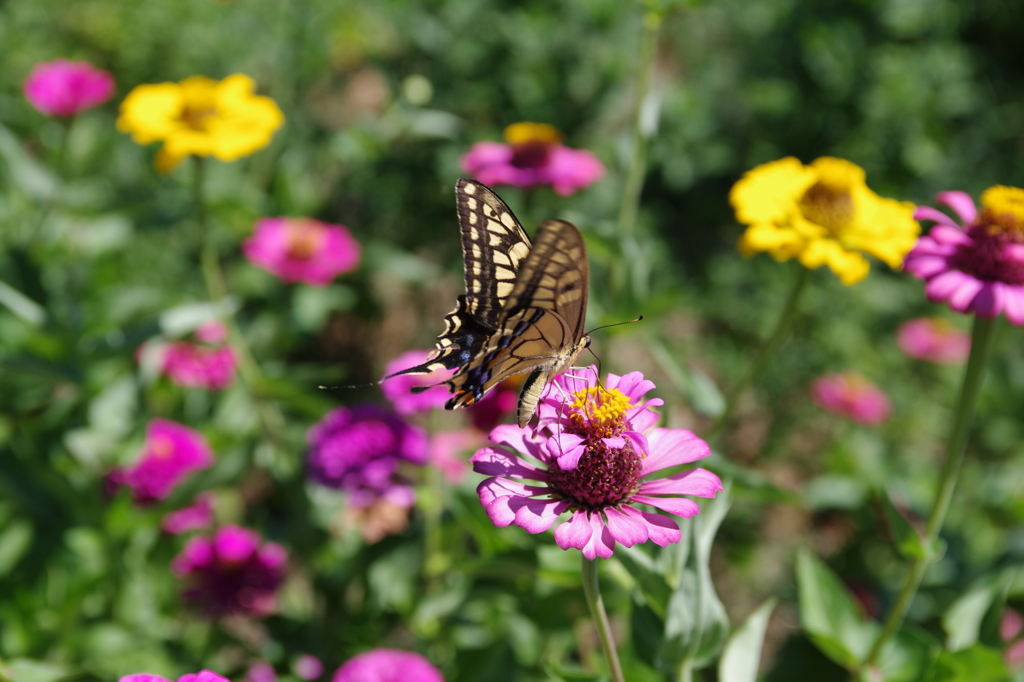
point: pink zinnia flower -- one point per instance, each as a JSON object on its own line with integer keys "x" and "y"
{"x": 201, "y": 676}
{"x": 309, "y": 667}
{"x": 231, "y": 572}
{"x": 387, "y": 665}
{"x": 532, "y": 155}
{"x": 172, "y": 452}
{"x": 359, "y": 450}
{"x": 66, "y": 88}
{"x": 978, "y": 266}
{"x": 934, "y": 339}
{"x": 302, "y": 249}
{"x": 196, "y": 517}
{"x": 192, "y": 365}
{"x": 851, "y": 395}
{"x": 596, "y": 445}
{"x": 398, "y": 389}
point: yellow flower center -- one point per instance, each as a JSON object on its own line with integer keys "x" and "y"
{"x": 197, "y": 117}
{"x": 305, "y": 239}
{"x": 600, "y": 412}
{"x": 161, "y": 447}
{"x": 1004, "y": 211}
{"x": 526, "y": 131}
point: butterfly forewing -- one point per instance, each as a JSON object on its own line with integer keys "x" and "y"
{"x": 493, "y": 244}
{"x": 524, "y": 306}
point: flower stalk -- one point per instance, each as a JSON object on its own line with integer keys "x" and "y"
{"x": 637, "y": 167}
{"x": 781, "y": 329}
{"x": 981, "y": 347}
{"x": 592, "y": 592}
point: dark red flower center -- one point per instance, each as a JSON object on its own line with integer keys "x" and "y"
{"x": 603, "y": 478}
{"x": 984, "y": 258}
{"x": 531, "y": 154}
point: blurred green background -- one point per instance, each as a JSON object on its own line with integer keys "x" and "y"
{"x": 381, "y": 98}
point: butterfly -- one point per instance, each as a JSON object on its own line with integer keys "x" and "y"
{"x": 524, "y": 306}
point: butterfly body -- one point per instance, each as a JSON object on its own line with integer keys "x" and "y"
{"x": 524, "y": 306}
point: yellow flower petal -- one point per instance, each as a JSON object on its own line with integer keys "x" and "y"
{"x": 849, "y": 266}
{"x": 151, "y": 112}
{"x": 770, "y": 191}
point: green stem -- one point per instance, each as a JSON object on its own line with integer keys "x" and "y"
{"x": 635, "y": 171}
{"x": 781, "y": 328}
{"x": 701, "y": 564}
{"x": 593, "y": 594}
{"x": 981, "y": 347}
{"x": 217, "y": 290}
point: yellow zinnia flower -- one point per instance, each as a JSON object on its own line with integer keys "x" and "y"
{"x": 823, "y": 214}
{"x": 200, "y": 116}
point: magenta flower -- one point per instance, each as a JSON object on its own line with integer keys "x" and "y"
{"x": 398, "y": 389}
{"x": 387, "y": 665}
{"x": 494, "y": 407}
{"x": 192, "y": 365}
{"x": 978, "y": 266}
{"x": 595, "y": 453}
{"x": 532, "y": 155}
{"x": 172, "y": 452}
{"x": 196, "y": 517}
{"x": 309, "y": 667}
{"x": 65, "y": 88}
{"x": 359, "y": 450}
{"x": 231, "y": 573}
{"x": 934, "y": 339}
{"x": 851, "y": 395}
{"x": 201, "y": 676}
{"x": 302, "y": 249}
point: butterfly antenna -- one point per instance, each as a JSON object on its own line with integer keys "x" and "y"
{"x": 617, "y": 324}
{"x": 334, "y": 388}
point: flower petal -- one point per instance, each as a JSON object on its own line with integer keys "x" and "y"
{"x": 500, "y": 462}
{"x": 626, "y": 529}
{"x": 574, "y": 533}
{"x": 949, "y": 236}
{"x": 520, "y": 440}
{"x": 990, "y": 301}
{"x": 640, "y": 443}
{"x": 699, "y": 482}
{"x": 669, "y": 447}
{"x": 680, "y": 506}
{"x": 633, "y": 385}
{"x": 661, "y": 530}
{"x": 536, "y": 516}
{"x": 933, "y": 214}
{"x": 926, "y": 267}
{"x": 1015, "y": 304}
{"x": 567, "y": 448}
{"x": 601, "y": 543}
{"x": 961, "y": 203}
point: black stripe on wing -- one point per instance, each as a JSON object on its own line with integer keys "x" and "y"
{"x": 493, "y": 245}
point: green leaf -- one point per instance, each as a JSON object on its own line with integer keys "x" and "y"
{"x": 697, "y": 388}
{"x": 15, "y": 540}
{"x": 829, "y": 615}
{"x": 649, "y": 579}
{"x": 908, "y": 541}
{"x": 962, "y": 620}
{"x": 26, "y": 670}
{"x": 742, "y": 653}
{"x": 974, "y": 664}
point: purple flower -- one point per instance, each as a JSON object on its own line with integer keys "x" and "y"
{"x": 596, "y": 444}
{"x": 196, "y": 517}
{"x": 387, "y": 665}
{"x": 261, "y": 671}
{"x": 231, "y": 573}
{"x": 397, "y": 390}
{"x": 66, "y": 88}
{"x": 359, "y": 450}
{"x": 533, "y": 155}
{"x": 302, "y": 249}
{"x": 171, "y": 453}
{"x": 201, "y": 676}
{"x": 978, "y": 266}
